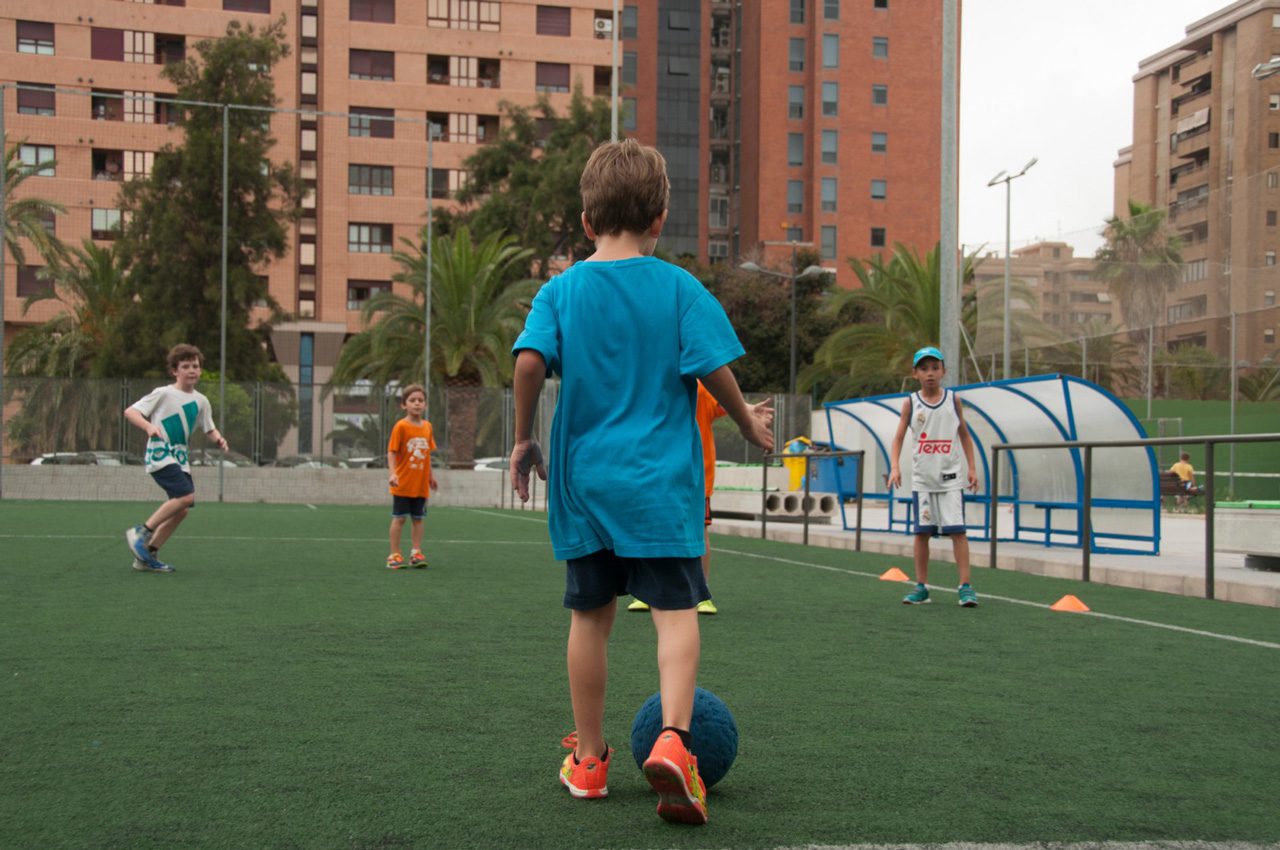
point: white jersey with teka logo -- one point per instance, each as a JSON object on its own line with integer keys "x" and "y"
{"x": 937, "y": 459}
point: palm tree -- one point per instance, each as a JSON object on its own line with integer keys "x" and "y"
{"x": 479, "y": 297}
{"x": 25, "y": 217}
{"x": 1140, "y": 262}
{"x": 59, "y": 412}
{"x": 1108, "y": 354}
{"x": 903, "y": 297}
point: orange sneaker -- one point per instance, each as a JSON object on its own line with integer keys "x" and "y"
{"x": 673, "y": 772}
{"x": 395, "y": 562}
{"x": 587, "y": 779}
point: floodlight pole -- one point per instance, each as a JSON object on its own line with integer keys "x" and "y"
{"x": 791, "y": 382}
{"x": 222, "y": 331}
{"x": 613, "y": 76}
{"x": 1007, "y": 180}
{"x": 426, "y": 318}
{"x": 949, "y": 230}
{"x": 3, "y": 200}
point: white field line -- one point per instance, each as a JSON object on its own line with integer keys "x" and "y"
{"x": 508, "y": 516}
{"x": 1054, "y": 845}
{"x": 276, "y": 539}
{"x": 1099, "y": 615}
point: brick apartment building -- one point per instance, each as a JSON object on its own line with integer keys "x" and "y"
{"x": 1206, "y": 148}
{"x": 807, "y": 120}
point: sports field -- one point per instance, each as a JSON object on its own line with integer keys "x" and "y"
{"x": 283, "y": 690}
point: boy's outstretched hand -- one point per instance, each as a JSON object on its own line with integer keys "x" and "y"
{"x": 526, "y": 455}
{"x": 760, "y": 430}
{"x": 763, "y": 412}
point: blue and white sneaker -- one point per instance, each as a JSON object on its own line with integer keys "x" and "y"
{"x": 138, "y": 537}
{"x": 918, "y": 596}
{"x": 151, "y": 565}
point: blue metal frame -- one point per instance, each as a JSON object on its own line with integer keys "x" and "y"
{"x": 1068, "y": 430}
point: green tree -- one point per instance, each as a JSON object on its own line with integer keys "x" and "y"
{"x": 478, "y": 305}
{"x": 525, "y": 183}
{"x": 1193, "y": 372}
{"x": 1260, "y": 384}
{"x": 24, "y": 218}
{"x": 274, "y": 407}
{"x": 173, "y": 237}
{"x": 1106, "y": 355}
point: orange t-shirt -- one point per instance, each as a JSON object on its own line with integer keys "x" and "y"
{"x": 412, "y": 445}
{"x": 708, "y": 411}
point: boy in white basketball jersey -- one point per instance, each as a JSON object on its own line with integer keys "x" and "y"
{"x": 939, "y": 473}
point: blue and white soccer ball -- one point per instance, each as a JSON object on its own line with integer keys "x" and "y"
{"x": 714, "y": 731}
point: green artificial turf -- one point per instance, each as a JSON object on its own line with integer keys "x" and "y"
{"x": 283, "y": 690}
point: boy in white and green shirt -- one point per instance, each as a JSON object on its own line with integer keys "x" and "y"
{"x": 169, "y": 415}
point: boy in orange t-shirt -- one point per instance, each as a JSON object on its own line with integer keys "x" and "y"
{"x": 411, "y": 482}
{"x": 707, "y": 412}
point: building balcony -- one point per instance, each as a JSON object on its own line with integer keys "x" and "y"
{"x": 1189, "y": 102}
{"x": 1190, "y": 212}
{"x": 1193, "y": 143}
{"x": 1188, "y": 72}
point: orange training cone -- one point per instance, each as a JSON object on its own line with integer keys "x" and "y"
{"x": 1069, "y": 603}
{"x": 894, "y": 574}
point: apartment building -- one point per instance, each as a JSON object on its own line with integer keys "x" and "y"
{"x": 364, "y": 84}
{"x": 1068, "y": 297}
{"x": 1206, "y": 148}
{"x": 809, "y": 121}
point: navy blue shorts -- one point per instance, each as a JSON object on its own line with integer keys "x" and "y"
{"x": 414, "y": 507}
{"x": 174, "y": 480}
{"x": 668, "y": 584}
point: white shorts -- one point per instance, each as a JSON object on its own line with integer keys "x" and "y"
{"x": 940, "y": 512}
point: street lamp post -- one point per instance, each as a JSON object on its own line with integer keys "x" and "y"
{"x": 793, "y": 278}
{"x": 1006, "y": 178}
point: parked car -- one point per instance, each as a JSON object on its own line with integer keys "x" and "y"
{"x": 217, "y": 457}
{"x": 499, "y": 463}
{"x": 98, "y": 458}
{"x": 309, "y": 462}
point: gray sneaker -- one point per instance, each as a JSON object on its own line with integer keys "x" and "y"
{"x": 919, "y": 596}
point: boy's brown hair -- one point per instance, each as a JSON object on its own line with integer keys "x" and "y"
{"x": 180, "y": 353}
{"x": 409, "y": 390}
{"x": 624, "y": 187}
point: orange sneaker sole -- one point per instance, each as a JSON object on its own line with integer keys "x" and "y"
{"x": 676, "y": 803}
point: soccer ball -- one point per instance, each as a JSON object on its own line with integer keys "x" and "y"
{"x": 715, "y": 734}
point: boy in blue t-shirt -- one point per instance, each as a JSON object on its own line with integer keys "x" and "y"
{"x": 629, "y": 336}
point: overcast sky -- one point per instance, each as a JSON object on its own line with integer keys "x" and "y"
{"x": 1053, "y": 80}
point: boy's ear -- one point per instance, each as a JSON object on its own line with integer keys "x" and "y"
{"x": 655, "y": 229}
{"x": 587, "y": 228}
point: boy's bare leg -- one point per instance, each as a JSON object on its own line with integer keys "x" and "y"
{"x": 588, "y": 662}
{"x": 921, "y": 551}
{"x": 397, "y": 523}
{"x": 706, "y": 557}
{"x": 415, "y": 534}
{"x": 960, "y": 545}
{"x": 679, "y": 650}
{"x": 166, "y": 518}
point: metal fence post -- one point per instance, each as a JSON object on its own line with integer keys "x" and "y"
{"x": 993, "y": 508}
{"x": 1208, "y": 518}
{"x": 1086, "y": 511}
{"x": 764, "y": 497}
{"x": 804, "y": 503}
{"x": 857, "y": 534}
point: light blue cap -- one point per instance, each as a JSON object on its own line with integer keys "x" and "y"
{"x": 927, "y": 351}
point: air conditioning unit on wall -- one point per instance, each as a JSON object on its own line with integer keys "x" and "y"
{"x": 604, "y": 27}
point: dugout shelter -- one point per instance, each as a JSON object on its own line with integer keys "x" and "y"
{"x": 1042, "y": 490}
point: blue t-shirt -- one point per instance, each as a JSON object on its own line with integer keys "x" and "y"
{"x": 629, "y": 339}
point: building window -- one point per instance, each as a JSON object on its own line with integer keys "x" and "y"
{"x": 552, "y": 77}
{"x": 795, "y": 234}
{"x": 796, "y": 54}
{"x": 679, "y": 66}
{"x": 880, "y": 47}
{"x": 797, "y": 11}
{"x": 830, "y": 99}
{"x": 830, "y": 51}
{"x": 1269, "y": 298}
{"x": 483, "y": 15}
{"x": 629, "y": 113}
{"x": 1273, "y": 180}
{"x": 364, "y": 121}
{"x": 880, "y": 4}
{"x": 831, "y": 10}
{"x": 30, "y": 283}
{"x": 877, "y": 237}
{"x": 106, "y": 224}
{"x": 795, "y": 196}
{"x": 370, "y": 180}
{"x": 1273, "y": 102}
{"x": 263, "y": 6}
{"x": 35, "y": 99}
{"x": 369, "y": 238}
{"x": 717, "y": 251}
{"x": 1269, "y": 258}
{"x": 107, "y": 44}
{"x": 309, "y": 84}
{"x": 37, "y": 159}
{"x": 795, "y": 101}
{"x": 1271, "y": 218}
{"x": 1269, "y": 335}
{"x": 830, "y": 142}
{"x": 718, "y": 216}
{"x": 828, "y": 194}
{"x": 878, "y": 189}
{"x": 629, "y": 22}
{"x": 828, "y": 241}
{"x": 372, "y": 65}
{"x": 879, "y": 142}
{"x": 360, "y": 291}
{"x": 138, "y": 164}
{"x": 677, "y": 20}
{"x": 377, "y": 11}
{"x": 879, "y": 95}
{"x": 35, "y": 37}
{"x": 1273, "y": 140}
{"x": 795, "y": 148}
{"x": 628, "y": 68}
{"x": 553, "y": 20}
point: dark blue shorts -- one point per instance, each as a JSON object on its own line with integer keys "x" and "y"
{"x": 668, "y": 584}
{"x": 414, "y": 507}
{"x": 174, "y": 480}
